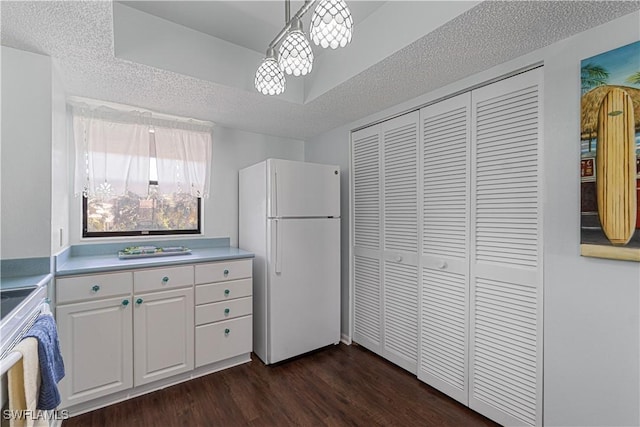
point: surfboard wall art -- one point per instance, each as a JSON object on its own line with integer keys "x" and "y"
{"x": 610, "y": 154}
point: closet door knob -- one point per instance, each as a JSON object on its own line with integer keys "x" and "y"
{"x": 95, "y": 288}
{"x": 442, "y": 265}
{"x": 125, "y": 302}
{"x": 139, "y": 301}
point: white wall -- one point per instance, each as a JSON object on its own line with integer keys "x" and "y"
{"x": 591, "y": 306}
{"x": 26, "y": 155}
{"x": 232, "y": 150}
{"x": 331, "y": 148}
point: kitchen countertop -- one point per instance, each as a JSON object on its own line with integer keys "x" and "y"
{"x": 25, "y": 281}
{"x": 93, "y": 259}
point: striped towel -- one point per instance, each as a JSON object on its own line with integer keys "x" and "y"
{"x": 51, "y": 364}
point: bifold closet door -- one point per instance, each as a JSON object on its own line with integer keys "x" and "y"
{"x": 505, "y": 360}
{"x": 400, "y": 240}
{"x": 385, "y": 239}
{"x": 444, "y": 319}
{"x": 366, "y": 238}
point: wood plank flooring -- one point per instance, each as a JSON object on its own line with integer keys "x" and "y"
{"x": 337, "y": 386}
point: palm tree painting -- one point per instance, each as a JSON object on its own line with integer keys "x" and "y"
{"x": 610, "y": 154}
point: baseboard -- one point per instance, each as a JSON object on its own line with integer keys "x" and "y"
{"x": 345, "y": 339}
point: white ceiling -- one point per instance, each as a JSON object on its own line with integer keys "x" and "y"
{"x": 419, "y": 47}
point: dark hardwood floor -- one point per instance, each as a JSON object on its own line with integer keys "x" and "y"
{"x": 337, "y": 386}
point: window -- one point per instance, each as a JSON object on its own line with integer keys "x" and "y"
{"x": 133, "y": 215}
{"x": 139, "y": 176}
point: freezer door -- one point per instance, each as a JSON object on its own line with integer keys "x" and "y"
{"x": 303, "y": 287}
{"x": 298, "y": 189}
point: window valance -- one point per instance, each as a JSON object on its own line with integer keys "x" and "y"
{"x": 122, "y": 151}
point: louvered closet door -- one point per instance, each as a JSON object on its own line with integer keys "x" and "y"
{"x": 445, "y": 137}
{"x": 506, "y": 268}
{"x": 400, "y": 225}
{"x": 366, "y": 225}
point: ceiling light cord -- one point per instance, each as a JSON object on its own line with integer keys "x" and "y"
{"x": 331, "y": 26}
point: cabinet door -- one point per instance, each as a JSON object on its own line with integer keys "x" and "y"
{"x": 96, "y": 344}
{"x": 400, "y": 239}
{"x": 366, "y": 236}
{"x": 506, "y": 261}
{"x": 445, "y": 129}
{"x": 163, "y": 330}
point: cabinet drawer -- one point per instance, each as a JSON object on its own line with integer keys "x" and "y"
{"x": 93, "y": 287}
{"x": 162, "y": 278}
{"x": 222, "y": 340}
{"x": 224, "y": 310}
{"x": 216, "y": 292}
{"x": 223, "y": 270}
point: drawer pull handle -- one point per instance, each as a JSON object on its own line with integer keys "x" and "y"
{"x": 226, "y": 272}
{"x": 95, "y": 288}
{"x": 125, "y": 302}
{"x": 226, "y": 311}
{"x": 139, "y": 301}
{"x": 165, "y": 280}
{"x": 227, "y": 292}
{"x": 227, "y": 331}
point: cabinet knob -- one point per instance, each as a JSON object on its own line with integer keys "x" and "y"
{"x": 226, "y": 311}
{"x": 226, "y": 292}
{"x": 165, "y": 280}
{"x": 227, "y": 331}
{"x": 95, "y": 288}
{"x": 226, "y": 272}
{"x": 125, "y": 302}
{"x": 139, "y": 301}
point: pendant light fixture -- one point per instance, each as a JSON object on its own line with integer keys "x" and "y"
{"x": 269, "y": 77}
{"x": 331, "y": 26}
{"x": 296, "y": 56}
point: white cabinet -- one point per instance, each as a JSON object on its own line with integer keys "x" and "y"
{"x": 124, "y": 330}
{"x": 163, "y": 334}
{"x": 223, "y": 311}
{"x": 95, "y": 332}
{"x": 447, "y": 268}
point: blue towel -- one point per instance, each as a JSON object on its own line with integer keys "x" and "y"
{"x": 51, "y": 365}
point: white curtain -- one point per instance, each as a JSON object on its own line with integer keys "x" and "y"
{"x": 112, "y": 157}
{"x": 183, "y": 158}
{"x": 114, "y": 150}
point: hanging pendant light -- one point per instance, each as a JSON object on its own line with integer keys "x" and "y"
{"x": 331, "y": 24}
{"x": 269, "y": 77}
{"x": 296, "y": 56}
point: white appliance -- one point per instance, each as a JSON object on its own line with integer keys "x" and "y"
{"x": 289, "y": 216}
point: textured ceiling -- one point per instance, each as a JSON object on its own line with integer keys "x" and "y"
{"x": 79, "y": 36}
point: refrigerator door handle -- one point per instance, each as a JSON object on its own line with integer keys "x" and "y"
{"x": 275, "y": 193}
{"x": 278, "y": 251}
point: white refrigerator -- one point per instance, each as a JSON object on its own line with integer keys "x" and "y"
{"x": 289, "y": 216}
